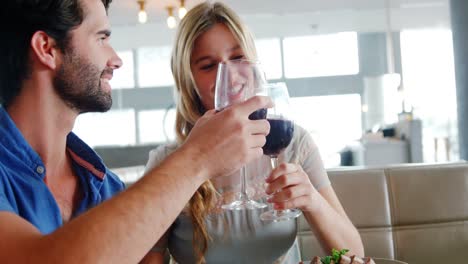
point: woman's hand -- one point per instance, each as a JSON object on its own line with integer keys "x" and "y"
{"x": 290, "y": 188}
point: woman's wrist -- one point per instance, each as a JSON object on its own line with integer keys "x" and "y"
{"x": 315, "y": 203}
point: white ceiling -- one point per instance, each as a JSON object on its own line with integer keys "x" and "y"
{"x": 124, "y": 12}
{"x": 282, "y": 18}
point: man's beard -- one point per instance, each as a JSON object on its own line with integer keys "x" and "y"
{"x": 78, "y": 83}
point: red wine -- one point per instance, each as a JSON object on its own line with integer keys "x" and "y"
{"x": 281, "y": 134}
{"x": 259, "y": 114}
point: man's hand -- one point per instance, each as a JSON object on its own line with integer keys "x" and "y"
{"x": 225, "y": 141}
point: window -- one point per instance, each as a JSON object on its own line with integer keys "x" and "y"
{"x": 124, "y": 76}
{"x": 334, "y": 121}
{"x": 113, "y": 128}
{"x": 324, "y": 55}
{"x": 156, "y": 126}
{"x": 154, "y": 66}
{"x": 269, "y": 54}
{"x": 429, "y": 82}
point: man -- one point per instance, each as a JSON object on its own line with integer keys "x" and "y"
{"x": 55, "y": 63}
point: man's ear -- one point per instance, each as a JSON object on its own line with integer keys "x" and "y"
{"x": 45, "y": 50}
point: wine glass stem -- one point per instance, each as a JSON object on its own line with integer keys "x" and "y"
{"x": 274, "y": 164}
{"x": 274, "y": 161}
{"x": 243, "y": 193}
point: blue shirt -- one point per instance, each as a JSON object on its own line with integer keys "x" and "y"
{"x": 22, "y": 187}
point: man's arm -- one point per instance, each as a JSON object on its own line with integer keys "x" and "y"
{"x": 124, "y": 228}
{"x": 153, "y": 258}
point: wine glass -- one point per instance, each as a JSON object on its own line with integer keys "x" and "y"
{"x": 237, "y": 81}
{"x": 280, "y": 136}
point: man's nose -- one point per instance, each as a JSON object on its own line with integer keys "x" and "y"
{"x": 115, "y": 61}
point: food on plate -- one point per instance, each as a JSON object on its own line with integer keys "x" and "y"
{"x": 339, "y": 257}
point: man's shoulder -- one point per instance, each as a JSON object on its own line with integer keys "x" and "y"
{"x": 11, "y": 165}
{"x": 3, "y": 172}
{"x": 11, "y": 187}
{"x": 114, "y": 181}
{"x": 88, "y": 159}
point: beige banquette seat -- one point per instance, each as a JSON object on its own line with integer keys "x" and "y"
{"x": 414, "y": 213}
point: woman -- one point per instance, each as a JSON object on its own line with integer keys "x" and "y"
{"x": 211, "y": 33}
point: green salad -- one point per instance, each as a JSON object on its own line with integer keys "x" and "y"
{"x": 335, "y": 256}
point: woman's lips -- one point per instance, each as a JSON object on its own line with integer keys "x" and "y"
{"x": 237, "y": 92}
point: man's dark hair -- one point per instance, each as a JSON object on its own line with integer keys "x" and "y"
{"x": 19, "y": 20}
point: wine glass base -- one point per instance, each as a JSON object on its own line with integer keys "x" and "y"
{"x": 280, "y": 215}
{"x": 243, "y": 205}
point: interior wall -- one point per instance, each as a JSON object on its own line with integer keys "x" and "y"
{"x": 372, "y": 48}
{"x": 460, "y": 44}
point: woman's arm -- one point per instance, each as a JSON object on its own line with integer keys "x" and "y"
{"x": 292, "y": 188}
{"x": 332, "y": 226}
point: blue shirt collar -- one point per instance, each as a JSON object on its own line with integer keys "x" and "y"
{"x": 12, "y": 140}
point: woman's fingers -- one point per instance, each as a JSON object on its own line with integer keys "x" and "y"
{"x": 283, "y": 169}
{"x": 290, "y": 193}
{"x": 290, "y": 187}
{"x": 287, "y": 174}
{"x": 299, "y": 202}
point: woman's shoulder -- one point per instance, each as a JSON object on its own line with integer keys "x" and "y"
{"x": 302, "y": 138}
{"x": 301, "y": 146}
{"x": 300, "y": 132}
{"x": 159, "y": 153}
{"x": 164, "y": 149}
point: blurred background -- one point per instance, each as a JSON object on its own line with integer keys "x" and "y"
{"x": 373, "y": 81}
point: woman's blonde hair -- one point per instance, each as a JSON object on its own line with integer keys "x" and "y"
{"x": 198, "y": 20}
